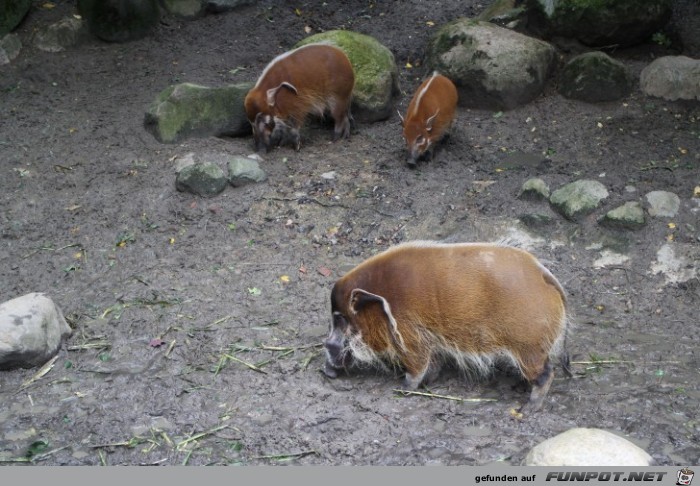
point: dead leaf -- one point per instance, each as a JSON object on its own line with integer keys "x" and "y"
{"x": 156, "y": 342}
{"x": 409, "y": 65}
{"x": 73, "y": 207}
{"x": 672, "y": 225}
{"x": 48, "y": 5}
{"x": 307, "y": 29}
{"x": 515, "y": 414}
{"x": 297, "y": 12}
{"x": 326, "y": 272}
{"x": 430, "y": 23}
{"x": 302, "y": 269}
{"x": 696, "y": 191}
{"x": 284, "y": 279}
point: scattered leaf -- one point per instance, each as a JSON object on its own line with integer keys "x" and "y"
{"x": 409, "y": 65}
{"x": 600, "y": 308}
{"x": 156, "y": 342}
{"x": 498, "y": 114}
{"x": 78, "y": 255}
{"x": 307, "y": 29}
{"x": 430, "y": 23}
{"x": 73, "y": 207}
{"x": 104, "y": 357}
{"x": 284, "y": 279}
{"x": 48, "y": 5}
{"x": 515, "y": 414}
{"x": 254, "y": 291}
{"x": 297, "y": 12}
{"x": 696, "y": 191}
{"x": 325, "y": 271}
{"x": 171, "y": 241}
{"x": 72, "y": 130}
{"x": 682, "y": 150}
{"x": 599, "y": 125}
{"x": 670, "y": 238}
{"x": 36, "y": 448}
{"x": 302, "y": 269}
{"x": 672, "y": 225}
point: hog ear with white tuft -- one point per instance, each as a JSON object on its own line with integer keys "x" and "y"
{"x": 360, "y": 298}
{"x": 272, "y": 92}
{"x": 429, "y": 122}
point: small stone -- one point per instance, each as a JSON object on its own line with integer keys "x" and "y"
{"x": 663, "y": 204}
{"x": 31, "y": 330}
{"x": 243, "y": 170}
{"x": 587, "y": 447}
{"x": 204, "y": 179}
{"x": 578, "y": 198}
{"x": 629, "y": 216}
{"x": 328, "y": 175}
{"x": 534, "y": 189}
{"x": 10, "y": 45}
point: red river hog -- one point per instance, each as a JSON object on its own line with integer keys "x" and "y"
{"x": 420, "y": 304}
{"x": 312, "y": 79}
{"x": 429, "y": 116}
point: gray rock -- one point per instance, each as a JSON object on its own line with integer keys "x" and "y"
{"x": 587, "y": 447}
{"x": 534, "y": 189}
{"x": 628, "y": 216}
{"x": 189, "y": 110}
{"x": 599, "y": 24}
{"x": 11, "y": 14}
{"x": 31, "y": 329}
{"x": 57, "y": 37}
{"x": 206, "y": 179}
{"x": 578, "y": 198}
{"x": 10, "y": 45}
{"x": 376, "y": 73}
{"x": 492, "y": 67}
{"x": 663, "y": 204}
{"x": 244, "y": 170}
{"x": 217, "y": 6}
{"x": 120, "y": 20}
{"x": 184, "y": 8}
{"x": 536, "y": 221}
{"x": 672, "y": 78}
{"x": 593, "y": 77}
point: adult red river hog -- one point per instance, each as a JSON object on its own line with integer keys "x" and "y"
{"x": 429, "y": 116}
{"x": 422, "y": 303}
{"x": 312, "y": 79}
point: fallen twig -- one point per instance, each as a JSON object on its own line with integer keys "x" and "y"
{"x": 286, "y": 457}
{"x": 42, "y": 371}
{"x": 445, "y": 397}
{"x": 245, "y": 363}
{"x": 183, "y": 443}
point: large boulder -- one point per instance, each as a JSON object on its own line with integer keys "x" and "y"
{"x": 11, "y": 14}
{"x": 593, "y": 77}
{"x": 492, "y": 67}
{"x": 189, "y": 110}
{"x": 31, "y": 330}
{"x": 599, "y": 23}
{"x": 120, "y": 20}
{"x": 672, "y": 78}
{"x": 376, "y": 73}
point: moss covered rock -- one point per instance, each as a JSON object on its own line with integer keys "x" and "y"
{"x": 206, "y": 179}
{"x": 189, "y": 110}
{"x": 578, "y": 198}
{"x": 492, "y": 67}
{"x": 599, "y": 23}
{"x": 376, "y": 74}
{"x": 11, "y": 14}
{"x": 120, "y": 20}
{"x": 184, "y": 8}
{"x": 595, "y": 76}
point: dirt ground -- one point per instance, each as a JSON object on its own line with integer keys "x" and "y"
{"x": 198, "y": 323}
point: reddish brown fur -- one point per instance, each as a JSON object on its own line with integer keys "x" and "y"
{"x": 430, "y": 114}
{"x": 474, "y": 302}
{"x": 317, "y": 78}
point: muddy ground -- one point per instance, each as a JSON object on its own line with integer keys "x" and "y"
{"x": 90, "y": 215}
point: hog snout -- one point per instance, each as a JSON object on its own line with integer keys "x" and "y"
{"x": 337, "y": 355}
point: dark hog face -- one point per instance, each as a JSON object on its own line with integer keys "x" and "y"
{"x": 270, "y": 131}
{"x": 263, "y": 129}
{"x": 418, "y": 142}
{"x": 338, "y": 353}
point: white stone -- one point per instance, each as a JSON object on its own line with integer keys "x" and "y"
{"x": 587, "y": 447}
{"x": 672, "y": 78}
{"x": 31, "y": 330}
{"x": 663, "y": 204}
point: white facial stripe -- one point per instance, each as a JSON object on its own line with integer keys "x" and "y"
{"x": 279, "y": 58}
{"x": 422, "y": 92}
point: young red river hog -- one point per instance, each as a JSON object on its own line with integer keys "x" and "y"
{"x": 420, "y": 303}
{"x": 312, "y": 79}
{"x": 429, "y": 116}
